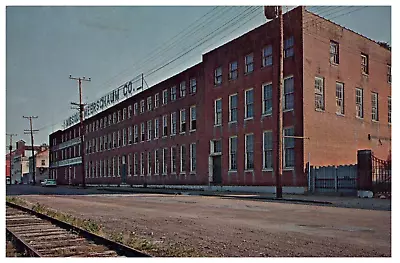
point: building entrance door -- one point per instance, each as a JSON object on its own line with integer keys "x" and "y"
{"x": 217, "y": 176}
{"x": 69, "y": 175}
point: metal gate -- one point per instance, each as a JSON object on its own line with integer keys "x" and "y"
{"x": 334, "y": 179}
{"x": 381, "y": 176}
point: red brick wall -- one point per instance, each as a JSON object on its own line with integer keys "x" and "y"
{"x": 335, "y": 139}
{"x": 253, "y": 42}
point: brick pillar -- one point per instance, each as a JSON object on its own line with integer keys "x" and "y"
{"x": 364, "y": 170}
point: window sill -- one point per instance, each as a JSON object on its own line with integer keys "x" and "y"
{"x": 173, "y": 173}
{"x": 164, "y": 174}
{"x": 266, "y": 114}
{"x": 217, "y": 85}
{"x": 182, "y": 174}
{"x": 172, "y": 135}
{"x": 365, "y": 74}
{"x": 287, "y": 110}
{"x": 375, "y": 121}
{"x": 360, "y": 118}
{"x": 231, "y": 80}
{"x": 217, "y": 125}
{"x": 267, "y": 170}
{"x": 320, "y": 110}
{"x": 182, "y": 133}
{"x": 288, "y": 169}
{"x": 232, "y": 171}
{"x": 248, "y": 73}
{"x": 249, "y": 118}
{"x": 192, "y": 130}
{"x": 249, "y": 170}
{"x": 192, "y": 173}
{"x": 232, "y": 122}
{"x": 266, "y": 66}
{"x": 340, "y": 114}
{"x": 334, "y": 64}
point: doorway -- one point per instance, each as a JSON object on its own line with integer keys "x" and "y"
{"x": 216, "y": 170}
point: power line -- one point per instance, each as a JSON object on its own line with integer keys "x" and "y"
{"x": 31, "y": 132}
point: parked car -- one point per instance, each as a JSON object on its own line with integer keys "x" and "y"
{"x": 49, "y": 182}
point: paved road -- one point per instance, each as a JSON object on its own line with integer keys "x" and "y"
{"x": 233, "y": 227}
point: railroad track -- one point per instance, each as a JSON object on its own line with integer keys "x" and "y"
{"x": 38, "y": 235}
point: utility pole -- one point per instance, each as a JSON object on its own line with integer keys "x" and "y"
{"x": 81, "y": 108}
{"x": 31, "y": 131}
{"x": 10, "y": 149}
{"x": 280, "y": 111}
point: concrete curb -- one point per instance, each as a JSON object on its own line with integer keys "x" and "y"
{"x": 157, "y": 191}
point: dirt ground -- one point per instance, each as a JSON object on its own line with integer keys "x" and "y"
{"x": 229, "y": 227}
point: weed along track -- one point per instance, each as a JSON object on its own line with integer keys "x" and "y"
{"x": 38, "y": 235}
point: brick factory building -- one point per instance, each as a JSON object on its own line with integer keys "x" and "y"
{"x": 214, "y": 124}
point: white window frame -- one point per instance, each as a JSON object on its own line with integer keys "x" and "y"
{"x": 123, "y": 137}
{"x": 130, "y": 135}
{"x": 191, "y": 117}
{"x": 142, "y": 106}
{"x": 135, "y": 134}
{"x": 364, "y": 64}
{"x": 246, "y": 161}
{"x": 123, "y": 114}
{"x": 182, "y": 163}
{"x": 129, "y": 111}
{"x": 245, "y": 104}
{"x": 149, "y": 170}
{"x": 173, "y": 93}
{"x": 233, "y": 72}
{"x": 217, "y": 114}
{"x": 156, "y": 100}
{"x": 182, "y": 89}
{"x": 285, "y": 148}
{"x": 288, "y": 47}
{"x": 165, "y": 125}
{"x": 142, "y": 167}
{"x": 135, "y": 109}
{"x": 231, "y": 120}
{"x": 156, "y": 127}
{"x": 265, "y": 99}
{"x": 193, "y": 161}
{"x": 319, "y": 93}
{"x": 269, "y": 149}
{"x": 156, "y": 162}
{"x": 218, "y": 76}
{"x": 165, "y": 96}
{"x": 193, "y": 85}
{"x": 360, "y": 103}
{"x": 288, "y": 93}
{"x": 231, "y": 168}
{"x": 267, "y": 56}
{"x": 334, "y": 52}
{"x": 340, "y": 98}
{"x": 182, "y": 120}
{"x": 375, "y": 106}
{"x": 173, "y": 123}
{"x": 149, "y": 104}
{"x": 173, "y": 162}
{"x": 164, "y": 161}
{"x": 135, "y": 164}
{"x": 249, "y": 65}
{"x": 142, "y": 132}
{"x": 149, "y": 131}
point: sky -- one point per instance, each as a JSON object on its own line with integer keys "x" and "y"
{"x": 112, "y": 45}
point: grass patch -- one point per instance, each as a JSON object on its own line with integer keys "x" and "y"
{"x": 129, "y": 239}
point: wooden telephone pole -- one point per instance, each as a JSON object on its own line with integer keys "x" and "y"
{"x": 31, "y": 131}
{"x": 275, "y": 12}
{"x": 10, "y": 149}
{"x": 81, "y": 108}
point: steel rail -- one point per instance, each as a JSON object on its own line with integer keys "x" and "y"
{"x": 119, "y": 248}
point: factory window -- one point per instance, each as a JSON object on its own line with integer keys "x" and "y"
{"x": 173, "y": 160}
{"x": 218, "y": 112}
{"x": 182, "y": 89}
{"x": 104, "y": 142}
{"x": 249, "y": 107}
{"x": 142, "y": 163}
{"x": 156, "y": 100}
{"x": 135, "y": 164}
{"x": 156, "y": 162}
{"x": 374, "y": 103}
{"x": 267, "y": 150}
{"x": 101, "y": 144}
{"x": 267, "y": 56}
{"x": 164, "y": 160}
{"x": 135, "y": 108}
{"x": 173, "y": 93}
{"x": 165, "y": 125}
{"x": 142, "y": 132}
{"x": 233, "y": 70}
{"x": 267, "y": 99}
{"x": 173, "y": 123}
{"x": 288, "y": 99}
{"x": 109, "y": 120}
{"x": 123, "y": 137}
{"x": 124, "y": 114}
{"x": 364, "y": 64}
{"x": 319, "y": 93}
{"x": 389, "y": 73}
{"x": 183, "y": 159}
{"x": 218, "y": 76}
{"x": 339, "y": 98}
{"x": 334, "y": 52}
{"x": 359, "y": 103}
{"x": 249, "y": 151}
{"x": 149, "y": 163}
{"x": 249, "y": 61}
{"x": 288, "y": 144}
{"x": 233, "y": 153}
{"x": 129, "y": 164}
{"x": 288, "y": 47}
{"x": 119, "y": 138}
{"x": 114, "y": 140}
{"x": 149, "y": 104}
{"x": 130, "y": 135}
{"x": 136, "y": 134}
{"x": 193, "y": 157}
{"x": 193, "y": 117}
{"x": 149, "y": 130}
{"x": 114, "y": 165}
{"x": 165, "y": 97}
{"x": 193, "y": 85}
{"x": 110, "y": 142}
{"x": 233, "y": 103}
{"x": 43, "y": 162}
{"x": 119, "y": 115}
{"x": 156, "y": 127}
{"x": 183, "y": 120}
{"x": 129, "y": 111}
{"x": 141, "y": 106}
{"x": 114, "y": 118}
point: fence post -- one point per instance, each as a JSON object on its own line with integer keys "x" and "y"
{"x": 336, "y": 179}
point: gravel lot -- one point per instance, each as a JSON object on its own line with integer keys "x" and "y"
{"x": 231, "y": 227}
